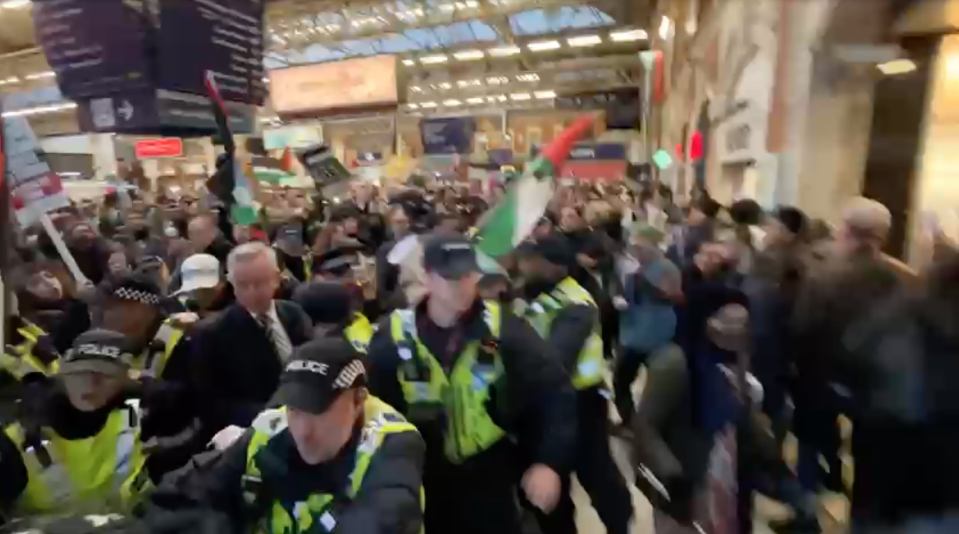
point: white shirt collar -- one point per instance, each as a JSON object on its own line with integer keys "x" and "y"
{"x": 271, "y": 313}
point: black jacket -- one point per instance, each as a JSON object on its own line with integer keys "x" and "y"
{"x": 535, "y": 391}
{"x": 235, "y": 367}
{"x": 388, "y": 501}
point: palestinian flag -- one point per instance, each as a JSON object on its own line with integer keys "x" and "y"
{"x": 230, "y": 181}
{"x": 513, "y": 219}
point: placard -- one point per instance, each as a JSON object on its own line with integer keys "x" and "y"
{"x": 34, "y": 188}
{"x": 323, "y": 166}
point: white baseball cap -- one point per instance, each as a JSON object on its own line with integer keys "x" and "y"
{"x": 199, "y": 271}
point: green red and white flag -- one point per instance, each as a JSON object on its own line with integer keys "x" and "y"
{"x": 230, "y": 181}
{"x": 512, "y": 220}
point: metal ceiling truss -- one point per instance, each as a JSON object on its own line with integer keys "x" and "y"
{"x": 297, "y": 24}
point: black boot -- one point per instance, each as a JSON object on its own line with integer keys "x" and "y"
{"x": 802, "y": 524}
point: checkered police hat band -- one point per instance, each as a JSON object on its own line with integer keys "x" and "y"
{"x": 137, "y": 295}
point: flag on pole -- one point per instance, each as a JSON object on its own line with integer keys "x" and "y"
{"x": 526, "y": 199}
{"x": 230, "y": 181}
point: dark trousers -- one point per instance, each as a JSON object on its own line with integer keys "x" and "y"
{"x": 817, "y": 432}
{"x": 596, "y": 472}
{"x": 624, "y": 374}
{"x": 477, "y": 497}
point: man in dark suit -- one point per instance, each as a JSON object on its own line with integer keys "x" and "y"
{"x": 240, "y": 353}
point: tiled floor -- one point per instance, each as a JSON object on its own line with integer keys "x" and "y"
{"x": 833, "y": 509}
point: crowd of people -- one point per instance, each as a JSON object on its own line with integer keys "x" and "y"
{"x": 359, "y": 367}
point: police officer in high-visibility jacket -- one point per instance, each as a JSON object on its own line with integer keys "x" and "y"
{"x": 77, "y": 448}
{"x": 329, "y": 458}
{"x": 565, "y": 315}
{"x": 475, "y": 380}
{"x": 133, "y": 307}
{"x": 30, "y": 352}
{"x": 331, "y": 308}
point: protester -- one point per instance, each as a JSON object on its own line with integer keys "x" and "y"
{"x": 387, "y": 274}
{"x": 647, "y": 318}
{"x": 846, "y": 287}
{"x": 205, "y": 238}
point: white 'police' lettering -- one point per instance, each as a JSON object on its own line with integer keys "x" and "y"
{"x": 306, "y": 365}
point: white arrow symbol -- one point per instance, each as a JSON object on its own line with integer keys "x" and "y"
{"x": 126, "y": 109}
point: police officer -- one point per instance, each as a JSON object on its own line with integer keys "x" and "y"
{"x": 330, "y": 458}
{"x": 133, "y": 307}
{"x": 296, "y": 259}
{"x": 474, "y": 378}
{"x": 30, "y": 352}
{"x": 77, "y": 448}
{"x": 330, "y": 307}
{"x": 565, "y": 315}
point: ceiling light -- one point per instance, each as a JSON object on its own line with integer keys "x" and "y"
{"x": 472, "y": 4}
{"x": 40, "y": 75}
{"x": 447, "y": 7}
{"x": 528, "y": 77}
{"x": 896, "y": 66}
{"x": 409, "y": 62}
{"x": 584, "y": 40}
{"x": 452, "y": 102}
{"x": 474, "y": 100}
{"x": 468, "y": 55}
{"x": 469, "y": 83}
{"x": 266, "y": 79}
{"x": 622, "y": 36}
{"x": 520, "y": 96}
{"x": 542, "y": 46}
{"x": 412, "y": 106}
{"x": 503, "y": 51}
{"x": 446, "y": 86}
{"x": 14, "y": 4}
{"x": 433, "y": 60}
{"x": 426, "y": 105}
{"x": 39, "y": 110}
{"x": 497, "y": 80}
{"x": 665, "y": 27}
{"x": 496, "y": 98}
{"x": 544, "y": 94}
{"x": 7, "y": 81}
{"x": 416, "y": 89}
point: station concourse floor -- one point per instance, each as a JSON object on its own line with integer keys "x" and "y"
{"x": 587, "y": 522}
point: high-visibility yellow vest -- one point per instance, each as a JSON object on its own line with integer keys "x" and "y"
{"x": 314, "y": 513}
{"x": 544, "y": 309}
{"x": 20, "y": 360}
{"x": 153, "y": 361}
{"x": 359, "y": 333}
{"x": 462, "y": 395}
{"x": 100, "y": 474}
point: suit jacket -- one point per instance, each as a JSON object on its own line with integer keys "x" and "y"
{"x": 235, "y": 366}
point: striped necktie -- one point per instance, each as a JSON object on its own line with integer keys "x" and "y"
{"x": 278, "y": 339}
